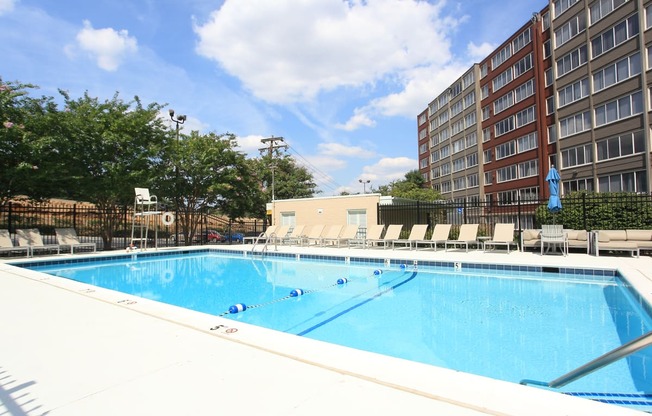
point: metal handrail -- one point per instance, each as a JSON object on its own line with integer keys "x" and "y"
{"x": 616, "y": 354}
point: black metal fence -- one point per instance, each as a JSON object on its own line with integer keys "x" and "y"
{"x": 580, "y": 211}
{"x": 91, "y": 224}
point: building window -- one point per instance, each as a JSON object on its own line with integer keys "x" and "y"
{"x": 527, "y": 142}
{"x": 648, "y": 16}
{"x": 571, "y": 61}
{"x": 423, "y": 163}
{"x": 524, "y": 90}
{"x": 560, "y": 6}
{"x": 472, "y": 160}
{"x": 469, "y": 120}
{"x": 456, "y": 108}
{"x": 600, "y": 8}
{"x": 434, "y": 140}
{"x": 521, "y": 40}
{"x": 624, "y": 145}
{"x": 485, "y": 91}
{"x": 468, "y": 79}
{"x": 423, "y": 148}
{"x": 503, "y": 79}
{"x": 486, "y": 134}
{"x": 577, "y": 156}
{"x": 573, "y": 92}
{"x": 472, "y": 181}
{"x": 619, "y": 109}
{"x": 471, "y": 140}
{"x": 578, "y": 185}
{"x": 526, "y": 116}
{"x": 552, "y": 133}
{"x": 445, "y": 187}
{"x": 528, "y": 169}
{"x": 435, "y": 172}
{"x": 458, "y": 146}
{"x": 505, "y": 150}
{"x": 434, "y": 156}
{"x": 434, "y": 123}
{"x": 445, "y": 151}
{"x": 483, "y": 70}
{"x": 459, "y": 164}
{"x": 508, "y": 173}
{"x": 488, "y": 178}
{"x": 550, "y": 105}
{"x": 504, "y": 102}
{"x": 445, "y": 169}
{"x": 615, "y": 73}
{"x": 469, "y": 99}
{"x": 502, "y": 55}
{"x": 547, "y": 50}
{"x": 623, "y": 182}
{"x": 443, "y": 117}
{"x": 487, "y": 156}
{"x": 486, "y": 113}
{"x": 574, "y": 124}
{"x": 459, "y": 184}
{"x": 570, "y": 29}
{"x": 549, "y": 77}
{"x": 523, "y": 65}
{"x": 456, "y": 89}
{"x": 457, "y": 127}
{"x": 614, "y": 36}
{"x": 504, "y": 126}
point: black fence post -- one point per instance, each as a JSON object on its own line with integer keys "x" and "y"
{"x": 9, "y": 216}
{"x": 584, "y": 210}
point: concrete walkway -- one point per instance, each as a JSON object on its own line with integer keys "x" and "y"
{"x": 67, "y": 348}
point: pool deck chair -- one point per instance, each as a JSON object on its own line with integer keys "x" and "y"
{"x": 417, "y": 233}
{"x": 67, "y": 237}
{"x": 468, "y": 235}
{"x": 503, "y": 236}
{"x": 348, "y": 232}
{"x": 32, "y": 239}
{"x": 262, "y": 237}
{"x": 439, "y": 236}
{"x": 7, "y": 245}
{"x": 314, "y": 236}
{"x": 393, "y": 233}
{"x": 295, "y": 235}
{"x": 374, "y": 232}
{"x": 553, "y": 236}
{"x": 275, "y": 237}
{"x": 331, "y": 233}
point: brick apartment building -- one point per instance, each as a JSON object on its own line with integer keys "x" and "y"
{"x": 571, "y": 88}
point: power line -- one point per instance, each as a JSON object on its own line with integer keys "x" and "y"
{"x": 327, "y": 182}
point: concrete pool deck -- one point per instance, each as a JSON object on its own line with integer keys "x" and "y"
{"x": 68, "y": 348}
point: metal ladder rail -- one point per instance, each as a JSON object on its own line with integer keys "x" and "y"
{"x": 264, "y": 249}
{"x": 616, "y": 354}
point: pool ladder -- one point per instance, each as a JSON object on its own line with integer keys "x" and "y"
{"x": 272, "y": 236}
{"x": 616, "y": 354}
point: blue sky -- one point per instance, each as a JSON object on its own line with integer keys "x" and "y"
{"x": 341, "y": 80}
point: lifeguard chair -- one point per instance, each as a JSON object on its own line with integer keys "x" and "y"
{"x": 146, "y": 217}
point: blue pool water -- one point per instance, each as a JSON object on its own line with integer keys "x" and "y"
{"x": 511, "y": 324}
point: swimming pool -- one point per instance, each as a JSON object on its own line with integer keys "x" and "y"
{"x": 508, "y": 324}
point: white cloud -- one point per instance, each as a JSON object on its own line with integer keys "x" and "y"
{"x": 479, "y": 52}
{"x": 107, "y": 46}
{"x": 287, "y": 51}
{"x": 342, "y": 150}
{"x": 250, "y": 144}
{"x": 7, "y": 6}
{"x": 359, "y": 119}
{"x": 389, "y": 169}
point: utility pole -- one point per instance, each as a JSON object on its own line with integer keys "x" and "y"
{"x": 272, "y": 143}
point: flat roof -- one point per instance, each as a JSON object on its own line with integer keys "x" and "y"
{"x": 72, "y": 348}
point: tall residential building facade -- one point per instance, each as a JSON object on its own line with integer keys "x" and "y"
{"x": 571, "y": 88}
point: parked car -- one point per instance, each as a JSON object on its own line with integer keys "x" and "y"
{"x": 233, "y": 237}
{"x": 212, "y": 236}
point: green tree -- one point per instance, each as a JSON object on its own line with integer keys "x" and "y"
{"x": 99, "y": 151}
{"x": 412, "y": 187}
{"x": 282, "y": 176}
{"x": 20, "y": 116}
{"x": 204, "y": 171}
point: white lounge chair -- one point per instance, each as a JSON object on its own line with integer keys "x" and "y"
{"x": 7, "y": 245}
{"x": 348, "y": 233}
{"x": 439, "y": 236}
{"x": 393, "y": 233}
{"x": 314, "y": 235}
{"x": 417, "y": 233}
{"x": 295, "y": 235}
{"x": 468, "y": 235}
{"x": 262, "y": 237}
{"x": 32, "y": 239}
{"x": 67, "y": 237}
{"x": 373, "y": 233}
{"x": 503, "y": 236}
{"x": 278, "y": 235}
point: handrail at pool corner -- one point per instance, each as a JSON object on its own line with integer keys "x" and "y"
{"x": 616, "y": 354}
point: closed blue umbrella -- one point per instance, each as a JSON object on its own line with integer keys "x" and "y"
{"x": 553, "y": 178}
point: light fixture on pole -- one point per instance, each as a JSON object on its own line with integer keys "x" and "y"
{"x": 364, "y": 185}
{"x": 272, "y": 144}
{"x": 180, "y": 119}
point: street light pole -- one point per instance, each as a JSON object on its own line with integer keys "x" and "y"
{"x": 180, "y": 119}
{"x": 364, "y": 185}
{"x": 272, "y": 144}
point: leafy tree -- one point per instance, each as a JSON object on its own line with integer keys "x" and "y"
{"x": 289, "y": 180}
{"x": 205, "y": 171}
{"x": 410, "y": 188}
{"x": 21, "y": 172}
{"x": 99, "y": 151}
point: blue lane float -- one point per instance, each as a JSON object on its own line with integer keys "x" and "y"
{"x": 296, "y": 292}
{"x": 378, "y": 272}
{"x": 238, "y": 307}
{"x": 342, "y": 281}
